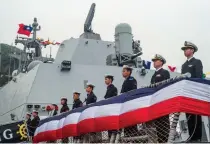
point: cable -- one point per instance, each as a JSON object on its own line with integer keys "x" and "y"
{"x": 188, "y": 130}
{"x": 196, "y": 118}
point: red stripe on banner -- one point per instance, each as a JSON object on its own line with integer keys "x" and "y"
{"x": 177, "y": 104}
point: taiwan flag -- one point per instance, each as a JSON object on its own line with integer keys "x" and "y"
{"x": 24, "y": 29}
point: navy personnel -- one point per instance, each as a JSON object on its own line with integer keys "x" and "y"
{"x": 77, "y": 101}
{"x": 110, "y": 92}
{"x": 111, "y": 89}
{"x": 129, "y": 82}
{"x": 91, "y": 98}
{"x": 28, "y": 122}
{"x": 160, "y": 73}
{"x": 65, "y": 107}
{"x": 195, "y": 68}
{"x": 28, "y": 118}
{"x": 161, "y": 124}
{"x": 34, "y": 122}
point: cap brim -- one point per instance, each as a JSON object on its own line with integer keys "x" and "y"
{"x": 154, "y": 59}
{"x": 77, "y": 93}
{"x": 187, "y": 47}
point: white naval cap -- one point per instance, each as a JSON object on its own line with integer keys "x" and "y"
{"x": 35, "y": 111}
{"x": 127, "y": 67}
{"x": 108, "y": 75}
{"x": 188, "y": 44}
{"x": 63, "y": 98}
{"x": 28, "y": 113}
{"x": 159, "y": 57}
{"x": 90, "y": 84}
{"x": 76, "y": 92}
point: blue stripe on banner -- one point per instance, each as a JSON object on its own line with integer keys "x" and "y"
{"x": 124, "y": 98}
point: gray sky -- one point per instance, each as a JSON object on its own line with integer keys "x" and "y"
{"x": 161, "y": 25}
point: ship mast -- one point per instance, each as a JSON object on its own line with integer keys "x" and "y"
{"x": 31, "y": 42}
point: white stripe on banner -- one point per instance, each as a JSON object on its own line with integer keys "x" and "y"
{"x": 183, "y": 88}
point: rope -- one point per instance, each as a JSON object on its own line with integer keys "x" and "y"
{"x": 12, "y": 109}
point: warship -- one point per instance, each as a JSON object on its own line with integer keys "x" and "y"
{"x": 40, "y": 81}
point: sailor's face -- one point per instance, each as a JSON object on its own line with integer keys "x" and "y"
{"x": 27, "y": 116}
{"x": 88, "y": 89}
{"x": 125, "y": 73}
{"x": 157, "y": 63}
{"x": 75, "y": 96}
{"x": 188, "y": 52}
{"x": 107, "y": 81}
{"x": 34, "y": 114}
{"x": 62, "y": 102}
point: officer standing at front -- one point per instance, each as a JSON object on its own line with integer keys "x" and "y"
{"x": 77, "y": 101}
{"x": 195, "y": 68}
{"x": 110, "y": 92}
{"x": 161, "y": 124}
{"x": 91, "y": 97}
{"x": 65, "y": 107}
{"x": 129, "y": 84}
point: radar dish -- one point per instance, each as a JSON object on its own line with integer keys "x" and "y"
{"x": 33, "y": 64}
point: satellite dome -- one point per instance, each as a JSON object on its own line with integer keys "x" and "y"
{"x": 123, "y": 28}
{"x": 14, "y": 73}
{"x": 33, "y": 64}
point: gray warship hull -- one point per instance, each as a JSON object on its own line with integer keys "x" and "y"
{"x": 78, "y": 61}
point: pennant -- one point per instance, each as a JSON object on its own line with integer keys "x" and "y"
{"x": 57, "y": 43}
{"x": 171, "y": 68}
{"x": 146, "y": 64}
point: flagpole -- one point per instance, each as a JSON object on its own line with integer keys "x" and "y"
{"x": 50, "y": 52}
{"x": 9, "y": 62}
{"x": 0, "y": 59}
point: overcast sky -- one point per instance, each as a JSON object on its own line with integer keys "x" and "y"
{"x": 161, "y": 25}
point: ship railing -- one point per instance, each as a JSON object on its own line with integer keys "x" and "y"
{"x": 154, "y": 131}
{"x": 161, "y": 130}
{"x": 166, "y": 129}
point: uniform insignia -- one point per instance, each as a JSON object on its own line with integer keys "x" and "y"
{"x": 190, "y": 65}
{"x": 131, "y": 78}
{"x": 158, "y": 75}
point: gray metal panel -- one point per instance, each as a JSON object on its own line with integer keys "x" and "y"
{"x": 15, "y": 94}
{"x": 85, "y": 51}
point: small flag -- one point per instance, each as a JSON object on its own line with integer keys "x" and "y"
{"x": 146, "y": 64}
{"x": 24, "y": 29}
{"x": 57, "y": 43}
{"x": 171, "y": 68}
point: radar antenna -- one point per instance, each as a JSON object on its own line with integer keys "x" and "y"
{"x": 89, "y": 19}
{"x": 88, "y": 32}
